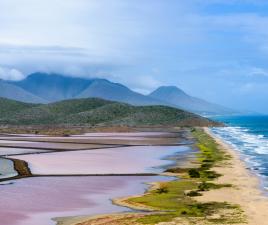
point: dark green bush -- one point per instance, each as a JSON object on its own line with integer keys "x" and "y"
{"x": 193, "y": 173}
{"x": 193, "y": 194}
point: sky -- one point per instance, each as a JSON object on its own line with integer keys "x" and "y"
{"x": 213, "y": 49}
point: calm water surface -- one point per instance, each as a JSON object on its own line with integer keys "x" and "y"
{"x": 124, "y": 160}
{"x": 36, "y": 200}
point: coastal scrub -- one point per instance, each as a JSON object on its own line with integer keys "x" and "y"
{"x": 176, "y": 198}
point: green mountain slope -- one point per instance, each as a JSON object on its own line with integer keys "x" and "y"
{"x": 9, "y": 107}
{"x": 97, "y": 112}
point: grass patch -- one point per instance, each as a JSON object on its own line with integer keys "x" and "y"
{"x": 157, "y": 218}
{"x": 163, "y": 188}
{"x": 206, "y": 186}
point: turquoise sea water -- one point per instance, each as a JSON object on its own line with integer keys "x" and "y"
{"x": 249, "y": 136}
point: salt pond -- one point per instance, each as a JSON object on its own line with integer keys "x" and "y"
{"x": 5, "y": 151}
{"x": 123, "y": 160}
{"x": 36, "y": 200}
{"x": 33, "y": 201}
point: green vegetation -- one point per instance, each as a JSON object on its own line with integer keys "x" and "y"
{"x": 193, "y": 173}
{"x": 176, "y": 198}
{"x": 193, "y": 193}
{"x": 10, "y": 106}
{"x": 95, "y": 112}
{"x": 163, "y": 188}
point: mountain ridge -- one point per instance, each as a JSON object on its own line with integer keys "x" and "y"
{"x": 60, "y": 87}
{"x": 46, "y": 88}
{"x": 177, "y": 97}
{"x": 116, "y": 92}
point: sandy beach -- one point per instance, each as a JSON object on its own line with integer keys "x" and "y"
{"x": 245, "y": 191}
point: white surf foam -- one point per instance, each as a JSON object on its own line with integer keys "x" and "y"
{"x": 253, "y": 149}
{"x": 242, "y": 140}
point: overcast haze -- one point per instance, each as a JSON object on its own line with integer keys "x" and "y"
{"x": 214, "y": 49}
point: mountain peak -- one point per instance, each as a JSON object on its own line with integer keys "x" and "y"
{"x": 166, "y": 91}
{"x": 176, "y": 97}
{"x": 102, "y": 88}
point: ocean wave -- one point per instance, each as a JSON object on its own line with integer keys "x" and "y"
{"x": 242, "y": 140}
{"x": 253, "y": 149}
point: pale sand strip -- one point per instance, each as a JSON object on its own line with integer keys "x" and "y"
{"x": 246, "y": 191}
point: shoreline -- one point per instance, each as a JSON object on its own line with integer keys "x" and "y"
{"x": 237, "y": 156}
{"x": 244, "y": 192}
{"x": 247, "y": 190}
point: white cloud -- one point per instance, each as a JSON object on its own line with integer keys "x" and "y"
{"x": 10, "y": 74}
{"x": 256, "y": 71}
{"x": 142, "y": 44}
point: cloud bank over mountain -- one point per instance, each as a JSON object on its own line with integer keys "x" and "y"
{"x": 219, "y": 45}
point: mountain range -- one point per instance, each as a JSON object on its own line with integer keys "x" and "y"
{"x": 48, "y": 88}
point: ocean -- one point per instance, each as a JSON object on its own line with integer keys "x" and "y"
{"x": 249, "y": 136}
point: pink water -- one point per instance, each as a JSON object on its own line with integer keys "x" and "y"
{"x": 124, "y": 160}
{"x": 34, "y": 201}
{"x": 121, "y": 134}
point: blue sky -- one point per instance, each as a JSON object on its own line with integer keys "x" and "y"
{"x": 213, "y": 49}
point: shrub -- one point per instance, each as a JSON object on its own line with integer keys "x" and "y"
{"x": 193, "y": 173}
{"x": 163, "y": 188}
{"x": 210, "y": 174}
{"x": 204, "y": 186}
{"x": 193, "y": 194}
